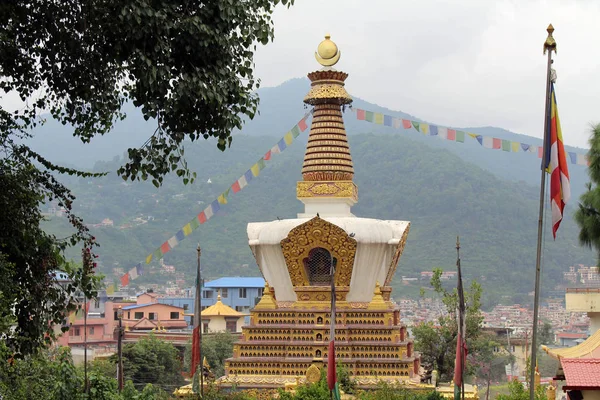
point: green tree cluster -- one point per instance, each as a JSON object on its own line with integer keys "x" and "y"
{"x": 588, "y": 212}
{"x": 437, "y": 343}
{"x": 216, "y": 348}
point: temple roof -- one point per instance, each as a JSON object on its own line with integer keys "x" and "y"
{"x": 220, "y": 309}
{"x": 581, "y": 373}
{"x": 590, "y": 348}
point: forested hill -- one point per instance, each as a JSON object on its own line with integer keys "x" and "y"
{"x": 398, "y": 178}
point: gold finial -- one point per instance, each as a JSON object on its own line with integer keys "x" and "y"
{"x": 327, "y": 53}
{"x": 550, "y": 43}
{"x": 219, "y": 295}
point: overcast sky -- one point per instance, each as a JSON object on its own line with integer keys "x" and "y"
{"x": 454, "y": 63}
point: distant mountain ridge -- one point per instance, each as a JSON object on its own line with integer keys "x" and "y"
{"x": 280, "y": 108}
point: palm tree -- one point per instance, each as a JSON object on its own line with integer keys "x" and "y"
{"x": 588, "y": 214}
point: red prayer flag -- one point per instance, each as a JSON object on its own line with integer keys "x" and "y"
{"x": 202, "y": 216}
{"x": 302, "y": 125}
{"x": 331, "y": 375}
{"x": 360, "y": 114}
{"x": 267, "y": 156}
{"x": 451, "y": 134}
{"x": 540, "y": 152}
{"x": 125, "y": 279}
{"x": 195, "y": 349}
{"x": 236, "y": 186}
{"x": 165, "y": 248}
{"x": 406, "y": 124}
{"x": 496, "y": 143}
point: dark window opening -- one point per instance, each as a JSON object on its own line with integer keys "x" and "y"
{"x": 174, "y": 315}
{"x": 138, "y": 315}
{"x": 318, "y": 266}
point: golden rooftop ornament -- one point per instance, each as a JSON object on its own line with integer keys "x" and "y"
{"x": 327, "y": 53}
{"x": 550, "y": 43}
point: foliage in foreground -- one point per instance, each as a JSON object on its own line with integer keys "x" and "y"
{"x": 51, "y": 375}
{"x": 518, "y": 391}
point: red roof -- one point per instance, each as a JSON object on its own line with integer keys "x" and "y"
{"x": 569, "y": 335}
{"x": 581, "y": 372}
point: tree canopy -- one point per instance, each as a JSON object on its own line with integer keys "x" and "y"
{"x": 186, "y": 64}
{"x": 437, "y": 344}
{"x": 588, "y": 213}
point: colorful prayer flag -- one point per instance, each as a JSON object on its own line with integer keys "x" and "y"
{"x": 406, "y": 124}
{"x": 433, "y": 130}
{"x": 125, "y": 280}
{"x": 236, "y": 186}
{"x": 165, "y": 248}
{"x": 379, "y": 118}
{"x": 416, "y": 125}
{"x": 360, "y": 114}
{"x": 515, "y": 146}
{"x": 139, "y": 269}
{"x": 556, "y": 164}
{"x": 505, "y": 145}
{"x": 387, "y": 120}
{"x": 460, "y": 136}
{"x": 451, "y": 134}
{"x": 110, "y": 289}
{"x": 295, "y": 131}
{"x": 267, "y": 155}
{"x": 133, "y": 273}
{"x": 173, "y": 241}
{"x": 202, "y": 217}
{"x": 288, "y": 138}
{"x": 187, "y": 229}
{"x": 302, "y": 124}
{"x": 369, "y": 116}
{"x": 215, "y": 206}
{"x": 148, "y": 258}
{"x": 255, "y": 170}
{"x": 424, "y": 128}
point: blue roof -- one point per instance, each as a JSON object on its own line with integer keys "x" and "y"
{"x": 236, "y": 282}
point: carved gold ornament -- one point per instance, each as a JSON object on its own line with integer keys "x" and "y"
{"x": 313, "y": 374}
{"x": 327, "y": 53}
{"x": 338, "y": 189}
{"x": 318, "y": 233}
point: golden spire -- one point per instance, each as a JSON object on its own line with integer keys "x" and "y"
{"x": 377, "y": 303}
{"x": 327, "y": 170}
{"x": 550, "y": 43}
{"x": 327, "y": 53}
{"x": 267, "y": 301}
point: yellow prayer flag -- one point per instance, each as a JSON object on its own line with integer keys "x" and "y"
{"x": 110, "y": 289}
{"x": 187, "y": 229}
{"x": 149, "y": 258}
{"x": 424, "y": 128}
{"x": 379, "y": 118}
{"x": 256, "y": 169}
{"x": 288, "y": 138}
{"x": 472, "y": 135}
{"x": 222, "y": 199}
{"x": 515, "y": 146}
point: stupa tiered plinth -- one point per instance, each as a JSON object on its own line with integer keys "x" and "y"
{"x": 287, "y": 340}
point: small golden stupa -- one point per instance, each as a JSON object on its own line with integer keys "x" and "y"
{"x": 286, "y": 342}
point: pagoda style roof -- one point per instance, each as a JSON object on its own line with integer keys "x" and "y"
{"x": 220, "y": 309}
{"x": 590, "y": 348}
{"x": 581, "y": 373}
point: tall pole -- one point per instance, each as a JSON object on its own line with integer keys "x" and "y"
{"x": 120, "y": 350}
{"x": 85, "y": 375}
{"x": 461, "y": 319}
{"x": 199, "y": 314}
{"x": 549, "y": 46}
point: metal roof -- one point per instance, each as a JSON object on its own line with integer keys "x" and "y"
{"x": 236, "y": 282}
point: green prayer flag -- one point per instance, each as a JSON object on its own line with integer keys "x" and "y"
{"x": 295, "y": 131}
{"x": 416, "y": 125}
{"x": 194, "y": 223}
{"x": 460, "y": 136}
{"x": 261, "y": 166}
{"x": 369, "y": 116}
{"x": 505, "y": 145}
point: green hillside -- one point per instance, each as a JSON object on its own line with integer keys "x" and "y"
{"x": 398, "y": 178}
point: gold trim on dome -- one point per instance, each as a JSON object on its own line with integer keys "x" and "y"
{"x": 318, "y": 233}
{"x": 328, "y": 93}
{"x": 337, "y": 189}
{"x": 396, "y": 258}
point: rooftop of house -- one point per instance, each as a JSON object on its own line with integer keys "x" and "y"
{"x": 220, "y": 309}
{"x": 150, "y": 304}
{"x": 581, "y": 373}
{"x": 236, "y": 282}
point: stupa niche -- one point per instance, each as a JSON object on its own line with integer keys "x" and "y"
{"x": 288, "y": 334}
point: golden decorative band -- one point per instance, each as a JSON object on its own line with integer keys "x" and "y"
{"x": 339, "y": 125}
{"x": 321, "y": 154}
{"x": 337, "y": 189}
{"x": 325, "y": 168}
{"x": 328, "y": 143}
{"x": 327, "y": 162}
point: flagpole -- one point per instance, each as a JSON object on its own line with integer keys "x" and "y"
{"x": 461, "y": 321}
{"x": 199, "y": 313}
{"x": 549, "y": 46}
